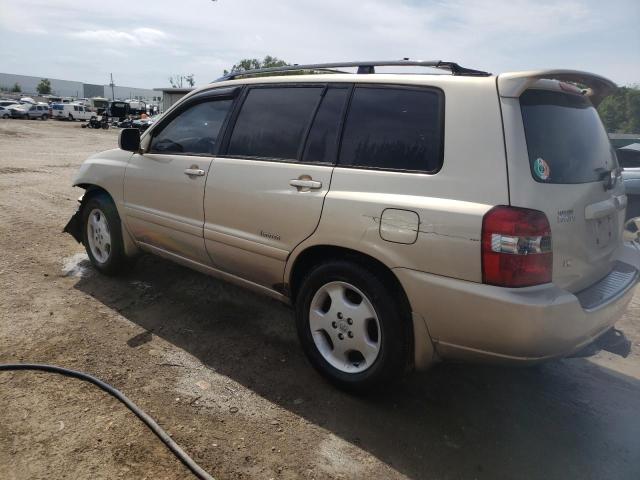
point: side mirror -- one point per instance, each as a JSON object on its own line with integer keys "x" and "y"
{"x": 130, "y": 140}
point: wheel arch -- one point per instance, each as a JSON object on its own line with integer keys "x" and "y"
{"x": 421, "y": 347}
{"x": 91, "y": 190}
{"x": 315, "y": 254}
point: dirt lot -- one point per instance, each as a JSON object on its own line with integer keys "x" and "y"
{"x": 222, "y": 372}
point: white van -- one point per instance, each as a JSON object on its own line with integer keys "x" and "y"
{"x": 71, "y": 111}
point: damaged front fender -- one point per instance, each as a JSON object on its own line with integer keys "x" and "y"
{"x": 74, "y": 225}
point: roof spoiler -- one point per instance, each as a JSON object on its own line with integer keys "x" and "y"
{"x": 514, "y": 84}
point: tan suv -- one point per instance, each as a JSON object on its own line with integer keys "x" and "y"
{"x": 406, "y": 217}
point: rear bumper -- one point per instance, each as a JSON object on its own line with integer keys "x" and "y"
{"x": 472, "y": 321}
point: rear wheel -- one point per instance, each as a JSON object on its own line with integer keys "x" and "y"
{"x": 44, "y": 116}
{"x": 71, "y": 119}
{"x": 5, "y": 116}
{"x": 102, "y": 235}
{"x": 352, "y": 325}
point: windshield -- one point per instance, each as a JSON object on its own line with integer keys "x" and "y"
{"x": 566, "y": 140}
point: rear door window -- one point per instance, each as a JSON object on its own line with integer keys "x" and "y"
{"x": 322, "y": 142}
{"x": 566, "y": 140}
{"x": 394, "y": 128}
{"x": 273, "y": 122}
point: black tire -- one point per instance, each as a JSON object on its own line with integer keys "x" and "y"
{"x": 44, "y": 116}
{"x": 71, "y": 119}
{"x": 116, "y": 261}
{"x": 6, "y": 116}
{"x": 393, "y": 317}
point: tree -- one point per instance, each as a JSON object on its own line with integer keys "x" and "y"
{"x": 44, "y": 87}
{"x": 16, "y": 88}
{"x": 253, "y": 63}
{"x": 620, "y": 111}
{"x": 178, "y": 81}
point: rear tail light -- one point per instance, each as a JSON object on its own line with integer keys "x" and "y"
{"x": 516, "y": 247}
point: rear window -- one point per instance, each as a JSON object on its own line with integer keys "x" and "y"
{"x": 629, "y": 157}
{"x": 394, "y": 129}
{"x": 566, "y": 140}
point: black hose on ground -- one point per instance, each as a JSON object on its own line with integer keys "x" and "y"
{"x": 150, "y": 422}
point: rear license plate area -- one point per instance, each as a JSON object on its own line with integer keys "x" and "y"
{"x": 604, "y": 230}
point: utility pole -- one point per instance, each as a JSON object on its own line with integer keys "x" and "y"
{"x": 113, "y": 97}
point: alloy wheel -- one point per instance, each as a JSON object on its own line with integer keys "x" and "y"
{"x": 345, "y": 327}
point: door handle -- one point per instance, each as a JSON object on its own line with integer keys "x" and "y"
{"x": 194, "y": 172}
{"x": 305, "y": 184}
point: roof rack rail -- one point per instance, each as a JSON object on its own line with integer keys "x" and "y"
{"x": 363, "y": 68}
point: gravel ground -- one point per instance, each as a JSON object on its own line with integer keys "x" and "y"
{"x": 221, "y": 370}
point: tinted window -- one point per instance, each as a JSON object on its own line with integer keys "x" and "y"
{"x": 194, "y": 131}
{"x": 393, "y": 128}
{"x": 322, "y": 143}
{"x": 273, "y": 121}
{"x": 629, "y": 158}
{"x": 566, "y": 141}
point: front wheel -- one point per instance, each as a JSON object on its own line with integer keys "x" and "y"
{"x": 102, "y": 235}
{"x": 71, "y": 119}
{"x": 353, "y": 325}
{"x": 5, "y": 116}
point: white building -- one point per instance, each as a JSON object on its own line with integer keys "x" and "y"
{"x": 67, "y": 88}
{"x": 172, "y": 95}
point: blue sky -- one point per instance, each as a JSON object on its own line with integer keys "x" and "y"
{"x": 143, "y": 42}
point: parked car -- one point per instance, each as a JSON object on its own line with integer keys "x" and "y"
{"x": 118, "y": 110}
{"x": 71, "y": 111}
{"x": 137, "y": 107}
{"x": 8, "y": 103}
{"x": 18, "y": 111}
{"x": 629, "y": 157}
{"x": 406, "y": 218}
{"x": 4, "y": 112}
{"x": 143, "y": 124}
{"x": 99, "y": 105}
{"x": 40, "y": 110}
